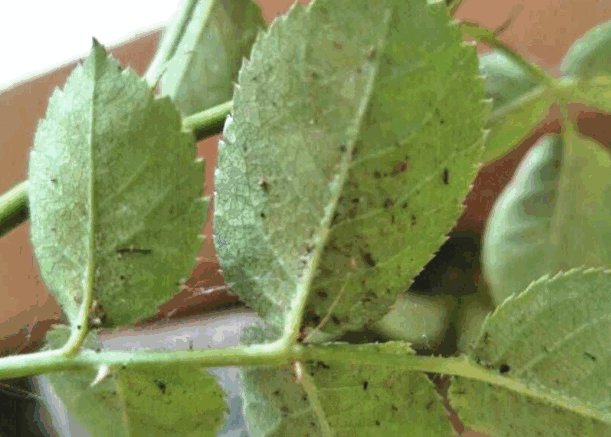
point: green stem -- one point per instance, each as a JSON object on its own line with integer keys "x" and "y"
{"x": 209, "y": 122}
{"x": 395, "y": 355}
{"x": 13, "y": 207}
{"x": 14, "y": 203}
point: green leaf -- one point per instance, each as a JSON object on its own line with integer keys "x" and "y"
{"x": 421, "y": 320}
{"x": 336, "y": 165}
{"x": 552, "y": 216}
{"x": 549, "y": 346}
{"x": 338, "y": 400}
{"x": 206, "y": 61}
{"x": 513, "y": 123}
{"x": 504, "y": 79}
{"x": 115, "y": 193}
{"x": 472, "y": 311}
{"x": 590, "y": 55}
{"x": 170, "y": 400}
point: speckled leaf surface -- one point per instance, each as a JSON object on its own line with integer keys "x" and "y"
{"x": 164, "y": 401}
{"x": 552, "y": 216}
{"x": 551, "y": 339}
{"x": 353, "y": 141}
{"x": 115, "y": 193}
{"x": 206, "y": 62}
{"x": 343, "y": 400}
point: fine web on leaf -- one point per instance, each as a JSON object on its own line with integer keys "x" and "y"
{"x": 115, "y": 193}
{"x": 353, "y": 141}
{"x": 552, "y": 340}
{"x": 165, "y": 401}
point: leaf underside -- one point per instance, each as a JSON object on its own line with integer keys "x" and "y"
{"x": 115, "y": 193}
{"x": 553, "y": 337}
{"x": 172, "y": 400}
{"x": 367, "y": 125}
{"x": 341, "y": 399}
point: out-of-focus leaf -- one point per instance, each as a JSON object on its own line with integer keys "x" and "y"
{"x": 504, "y": 79}
{"x": 552, "y": 216}
{"x": 352, "y": 144}
{"x": 508, "y": 131}
{"x": 421, "y": 320}
{"x": 590, "y": 55}
{"x": 206, "y": 61}
{"x": 115, "y": 193}
{"x": 550, "y": 343}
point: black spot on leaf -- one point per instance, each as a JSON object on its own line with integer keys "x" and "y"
{"x": 369, "y": 260}
{"x": 161, "y": 386}
{"x": 322, "y": 365}
{"x": 365, "y": 385}
{"x": 264, "y": 185}
{"x": 590, "y": 356}
{"x": 446, "y": 176}
{"x": 504, "y": 368}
